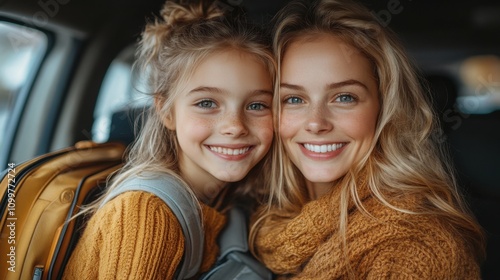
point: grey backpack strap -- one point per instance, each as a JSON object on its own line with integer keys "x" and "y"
{"x": 178, "y": 199}
{"x": 234, "y": 236}
{"x": 235, "y": 261}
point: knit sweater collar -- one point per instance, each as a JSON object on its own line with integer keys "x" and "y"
{"x": 384, "y": 244}
{"x": 295, "y": 241}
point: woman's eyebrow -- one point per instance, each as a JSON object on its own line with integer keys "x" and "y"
{"x": 346, "y": 83}
{"x": 329, "y": 86}
{"x": 292, "y": 87}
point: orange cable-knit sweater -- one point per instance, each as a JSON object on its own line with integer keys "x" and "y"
{"x": 136, "y": 236}
{"x": 392, "y": 245}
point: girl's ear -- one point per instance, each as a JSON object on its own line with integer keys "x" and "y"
{"x": 168, "y": 120}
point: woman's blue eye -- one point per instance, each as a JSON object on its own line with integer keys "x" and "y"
{"x": 346, "y": 98}
{"x": 257, "y": 106}
{"x": 293, "y": 100}
{"x": 206, "y": 104}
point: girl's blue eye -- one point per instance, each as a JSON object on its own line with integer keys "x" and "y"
{"x": 257, "y": 106}
{"x": 294, "y": 100}
{"x": 206, "y": 104}
{"x": 346, "y": 98}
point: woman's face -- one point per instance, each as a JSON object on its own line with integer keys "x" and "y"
{"x": 223, "y": 119}
{"x": 329, "y": 108}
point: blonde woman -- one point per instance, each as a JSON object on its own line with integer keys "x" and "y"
{"x": 210, "y": 126}
{"x": 363, "y": 192}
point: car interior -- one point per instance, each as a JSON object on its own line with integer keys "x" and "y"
{"x": 65, "y": 76}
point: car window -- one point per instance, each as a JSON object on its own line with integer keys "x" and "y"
{"x": 21, "y": 50}
{"x": 480, "y": 90}
{"x": 121, "y": 90}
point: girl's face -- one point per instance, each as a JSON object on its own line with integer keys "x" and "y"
{"x": 223, "y": 120}
{"x": 329, "y": 107}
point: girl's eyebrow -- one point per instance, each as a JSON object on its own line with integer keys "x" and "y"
{"x": 263, "y": 91}
{"x": 220, "y": 91}
{"x": 329, "y": 86}
{"x": 206, "y": 89}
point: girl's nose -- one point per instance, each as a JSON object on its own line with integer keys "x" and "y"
{"x": 234, "y": 125}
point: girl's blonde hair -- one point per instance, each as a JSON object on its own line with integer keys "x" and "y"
{"x": 169, "y": 51}
{"x": 404, "y": 157}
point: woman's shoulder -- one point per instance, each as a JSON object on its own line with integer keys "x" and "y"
{"x": 424, "y": 241}
{"x": 402, "y": 219}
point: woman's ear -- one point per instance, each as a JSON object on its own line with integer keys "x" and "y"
{"x": 168, "y": 120}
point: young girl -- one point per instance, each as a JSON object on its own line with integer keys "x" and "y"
{"x": 210, "y": 125}
{"x": 364, "y": 192}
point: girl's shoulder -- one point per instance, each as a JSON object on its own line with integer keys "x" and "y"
{"x": 135, "y": 200}
{"x": 145, "y": 206}
{"x": 131, "y": 230}
{"x": 134, "y": 208}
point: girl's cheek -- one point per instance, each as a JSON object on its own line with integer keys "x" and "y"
{"x": 269, "y": 131}
{"x": 265, "y": 128}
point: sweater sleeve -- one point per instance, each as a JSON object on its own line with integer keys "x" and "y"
{"x": 134, "y": 236}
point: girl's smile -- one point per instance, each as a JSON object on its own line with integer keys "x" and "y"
{"x": 223, "y": 121}
{"x": 231, "y": 152}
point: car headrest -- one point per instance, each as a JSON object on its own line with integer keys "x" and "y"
{"x": 126, "y": 124}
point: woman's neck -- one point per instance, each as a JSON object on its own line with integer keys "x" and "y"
{"x": 316, "y": 190}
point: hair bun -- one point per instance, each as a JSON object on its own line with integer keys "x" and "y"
{"x": 174, "y": 14}
{"x": 189, "y": 11}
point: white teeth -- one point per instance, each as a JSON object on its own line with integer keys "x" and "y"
{"x": 323, "y": 148}
{"x": 228, "y": 151}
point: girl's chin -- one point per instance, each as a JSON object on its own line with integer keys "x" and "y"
{"x": 229, "y": 178}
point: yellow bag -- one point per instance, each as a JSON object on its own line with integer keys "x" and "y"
{"x": 39, "y": 196}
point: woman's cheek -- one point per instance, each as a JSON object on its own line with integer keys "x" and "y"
{"x": 286, "y": 125}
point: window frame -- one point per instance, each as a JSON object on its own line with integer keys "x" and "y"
{"x": 21, "y": 100}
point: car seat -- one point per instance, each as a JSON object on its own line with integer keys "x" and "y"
{"x": 126, "y": 123}
{"x": 474, "y": 144}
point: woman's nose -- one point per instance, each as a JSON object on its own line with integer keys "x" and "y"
{"x": 317, "y": 121}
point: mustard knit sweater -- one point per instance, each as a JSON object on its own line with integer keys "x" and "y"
{"x": 136, "y": 236}
{"x": 389, "y": 245}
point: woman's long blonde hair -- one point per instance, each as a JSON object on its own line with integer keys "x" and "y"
{"x": 170, "y": 49}
{"x": 404, "y": 158}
